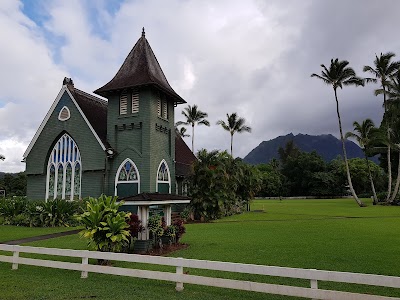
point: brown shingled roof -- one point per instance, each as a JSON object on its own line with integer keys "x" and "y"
{"x": 95, "y": 110}
{"x": 140, "y": 68}
{"x": 184, "y": 158}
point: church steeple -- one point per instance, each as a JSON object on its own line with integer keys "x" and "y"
{"x": 140, "y": 68}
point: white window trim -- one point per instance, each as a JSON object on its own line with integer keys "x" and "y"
{"x": 129, "y": 181}
{"x": 64, "y": 164}
{"x": 69, "y": 114}
{"x": 169, "y": 176}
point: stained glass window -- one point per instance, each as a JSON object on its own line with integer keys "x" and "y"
{"x": 77, "y": 180}
{"x": 128, "y": 172}
{"x": 127, "y": 179}
{"x": 60, "y": 177}
{"x": 163, "y": 172}
{"x": 65, "y": 160}
{"x": 163, "y": 178}
{"x": 68, "y": 180}
{"x": 52, "y": 178}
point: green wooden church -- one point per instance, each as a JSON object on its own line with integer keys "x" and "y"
{"x": 124, "y": 146}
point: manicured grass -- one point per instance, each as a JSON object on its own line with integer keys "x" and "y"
{"x": 320, "y": 234}
{"x": 8, "y": 233}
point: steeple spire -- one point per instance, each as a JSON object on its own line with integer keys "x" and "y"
{"x": 140, "y": 68}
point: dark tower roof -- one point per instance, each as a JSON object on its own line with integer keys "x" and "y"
{"x": 140, "y": 68}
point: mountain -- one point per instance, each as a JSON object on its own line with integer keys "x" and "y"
{"x": 326, "y": 145}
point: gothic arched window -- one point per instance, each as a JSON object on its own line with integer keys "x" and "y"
{"x": 64, "y": 170}
{"x": 163, "y": 178}
{"x": 127, "y": 179}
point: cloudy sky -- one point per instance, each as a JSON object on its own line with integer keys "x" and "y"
{"x": 250, "y": 57}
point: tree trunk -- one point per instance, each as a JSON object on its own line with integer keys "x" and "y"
{"x": 353, "y": 192}
{"x": 396, "y": 188}
{"x": 389, "y": 148}
{"x": 193, "y": 138}
{"x": 231, "y": 144}
{"x": 372, "y": 181}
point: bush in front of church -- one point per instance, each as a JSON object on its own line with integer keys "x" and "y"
{"x": 106, "y": 227}
{"x": 19, "y": 211}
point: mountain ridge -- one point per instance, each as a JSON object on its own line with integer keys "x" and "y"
{"x": 326, "y": 145}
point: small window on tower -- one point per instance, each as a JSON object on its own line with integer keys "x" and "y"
{"x": 123, "y": 103}
{"x": 135, "y": 102}
{"x": 64, "y": 114}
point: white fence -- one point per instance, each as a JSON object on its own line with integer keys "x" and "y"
{"x": 180, "y": 278}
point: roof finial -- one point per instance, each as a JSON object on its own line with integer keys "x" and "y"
{"x": 143, "y": 34}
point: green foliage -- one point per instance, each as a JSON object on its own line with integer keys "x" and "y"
{"x": 12, "y": 207}
{"x": 14, "y": 184}
{"x": 53, "y": 213}
{"x": 220, "y": 185}
{"x": 272, "y": 180}
{"x": 105, "y": 226}
{"x": 156, "y": 228}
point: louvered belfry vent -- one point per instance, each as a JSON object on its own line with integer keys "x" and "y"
{"x": 135, "y": 102}
{"x": 159, "y": 106}
{"x": 123, "y": 103}
{"x": 165, "y": 109}
{"x": 64, "y": 114}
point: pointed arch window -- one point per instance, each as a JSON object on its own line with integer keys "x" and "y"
{"x": 64, "y": 170}
{"x": 163, "y": 178}
{"x": 127, "y": 179}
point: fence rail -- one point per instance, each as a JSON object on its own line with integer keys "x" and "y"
{"x": 180, "y": 278}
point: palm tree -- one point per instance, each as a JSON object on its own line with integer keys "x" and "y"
{"x": 181, "y": 131}
{"x": 194, "y": 116}
{"x": 2, "y": 157}
{"x": 337, "y": 75}
{"x": 393, "y": 107}
{"x": 363, "y": 133}
{"x": 234, "y": 124}
{"x": 383, "y": 69}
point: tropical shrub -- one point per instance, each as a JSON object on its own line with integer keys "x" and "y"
{"x": 106, "y": 228}
{"x": 170, "y": 233}
{"x": 179, "y": 229}
{"x": 12, "y": 207}
{"x": 135, "y": 227}
{"x": 220, "y": 185}
{"x": 156, "y": 228}
{"x": 21, "y": 212}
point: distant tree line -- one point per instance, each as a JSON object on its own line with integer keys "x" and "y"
{"x": 13, "y": 183}
{"x": 298, "y": 173}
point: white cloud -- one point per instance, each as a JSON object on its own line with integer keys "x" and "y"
{"x": 251, "y": 57}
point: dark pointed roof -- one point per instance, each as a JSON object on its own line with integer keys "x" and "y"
{"x": 140, "y": 68}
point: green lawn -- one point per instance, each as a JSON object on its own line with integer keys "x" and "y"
{"x": 321, "y": 234}
{"x": 8, "y": 233}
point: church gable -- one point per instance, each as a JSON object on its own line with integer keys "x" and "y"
{"x": 65, "y": 116}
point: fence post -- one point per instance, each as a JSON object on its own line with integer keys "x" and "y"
{"x": 85, "y": 262}
{"x": 179, "y": 271}
{"x": 314, "y": 285}
{"x": 15, "y": 258}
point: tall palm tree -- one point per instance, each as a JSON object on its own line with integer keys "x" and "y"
{"x": 383, "y": 69}
{"x": 234, "y": 124}
{"x": 363, "y": 133}
{"x": 337, "y": 75}
{"x": 194, "y": 116}
{"x": 393, "y": 107}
